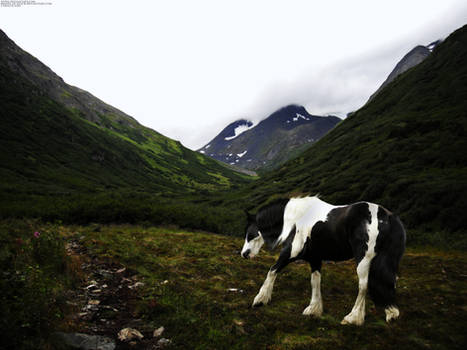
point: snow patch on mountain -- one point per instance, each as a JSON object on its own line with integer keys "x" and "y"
{"x": 298, "y": 116}
{"x": 240, "y": 155}
{"x": 239, "y": 130}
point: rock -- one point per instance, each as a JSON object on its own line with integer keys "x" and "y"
{"x": 94, "y": 302}
{"x": 121, "y": 270}
{"x": 86, "y": 341}
{"x": 163, "y": 342}
{"x": 127, "y": 334}
{"x": 105, "y": 274}
{"x": 158, "y": 332}
{"x": 136, "y": 285}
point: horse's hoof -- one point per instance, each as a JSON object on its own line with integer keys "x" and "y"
{"x": 392, "y": 313}
{"x": 257, "y": 304}
{"x": 313, "y": 310}
{"x": 350, "y": 319}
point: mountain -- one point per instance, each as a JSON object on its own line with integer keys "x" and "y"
{"x": 414, "y": 57}
{"x": 59, "y": 139}
{"x": 274, "y": 140}
{"x": 406, "y": 149}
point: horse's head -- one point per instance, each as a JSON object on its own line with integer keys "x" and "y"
{"x": 253, "y": 240}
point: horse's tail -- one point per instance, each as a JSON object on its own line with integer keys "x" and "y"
{"x": 385, "y": 265}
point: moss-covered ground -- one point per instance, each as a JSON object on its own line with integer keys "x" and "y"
{"x": 206, "y": 302}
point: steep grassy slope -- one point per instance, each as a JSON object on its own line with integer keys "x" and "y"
{"x": 49, "y": 145}
{"x": 45, "y": 147}
{"x": 406, "y": 149}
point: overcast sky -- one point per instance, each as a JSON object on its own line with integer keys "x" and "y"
{"x": 188, "y": 68}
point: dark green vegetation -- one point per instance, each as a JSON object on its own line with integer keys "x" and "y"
{"x": 35, "y": 275}
{"x": 199, "y": 311}
{"x": 406, "y": 150}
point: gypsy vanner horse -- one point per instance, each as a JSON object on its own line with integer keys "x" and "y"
{"x": 312, "y": 230}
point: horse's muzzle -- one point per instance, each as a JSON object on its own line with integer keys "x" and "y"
{"x": 246, "y": 254}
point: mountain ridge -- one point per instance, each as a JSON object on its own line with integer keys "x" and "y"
{"x": 272, "y": 141}
{"x": 414, "y": 57}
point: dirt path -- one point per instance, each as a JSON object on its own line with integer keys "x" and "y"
{"x": 106, "y": 300}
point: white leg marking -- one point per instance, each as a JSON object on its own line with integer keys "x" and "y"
{"x": 392, "y": 313}
{"x": 357, "y": 315}
{"x": 316, "y": 304}
{"x": 265, "y": 292}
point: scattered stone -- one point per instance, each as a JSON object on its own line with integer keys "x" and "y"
{"x": 127, "y": 334}
{"x": 86, "y": 341}
{"x": 235, "y": 290}
{"x": 239, "y": 322}
{"x": 163, "y": 342}
{"x": 136, "y": 285}
{"x": 121, "y": 270}
{"x": 239, "y": 327}
{"x": 158, "y": 332}
{"x": 106, "y": 274}
{"x": 165, "y": 282}
{"x": 92, "y": 285}
{"x": 94, "y": 302}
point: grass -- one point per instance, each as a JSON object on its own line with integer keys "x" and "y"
{"x": 36, "y": 273}
{"x": 199, "y": 312}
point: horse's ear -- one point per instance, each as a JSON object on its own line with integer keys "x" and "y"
{"x": 251, "y": 217}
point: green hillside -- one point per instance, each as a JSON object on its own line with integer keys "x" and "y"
{"x": 46, "y": 148}
{"x": 406, "y": 149}
{"x": 64, "y": 154}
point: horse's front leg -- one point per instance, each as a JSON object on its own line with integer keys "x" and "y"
{"x": 316, "y": 303}
{"x": 265, "y": 293}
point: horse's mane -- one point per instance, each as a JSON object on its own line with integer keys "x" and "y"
{"x": 270, "y": 218}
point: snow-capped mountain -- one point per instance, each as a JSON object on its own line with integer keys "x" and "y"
{"x": 271, "y": 142}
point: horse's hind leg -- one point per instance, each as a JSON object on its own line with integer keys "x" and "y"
{"x": 357, "y": 315}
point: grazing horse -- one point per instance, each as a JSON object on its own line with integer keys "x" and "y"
{"x": 312, "y": 230}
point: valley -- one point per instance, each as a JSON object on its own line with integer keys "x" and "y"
{"x": 89, "y": 197}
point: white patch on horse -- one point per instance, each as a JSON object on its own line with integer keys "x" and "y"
{"x": 316, "y": 304}
{"x": 254, "y": 246}
{"x": 312, "y": 207}
{"x": 317, "y": 211}
{"x": 357, "y": 315}
{"x": 265, "y": 292}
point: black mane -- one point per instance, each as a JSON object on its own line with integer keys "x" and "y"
{"x": 270, "y": 219}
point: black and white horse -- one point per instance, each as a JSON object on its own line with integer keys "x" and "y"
{"x": 313, "y": 230}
